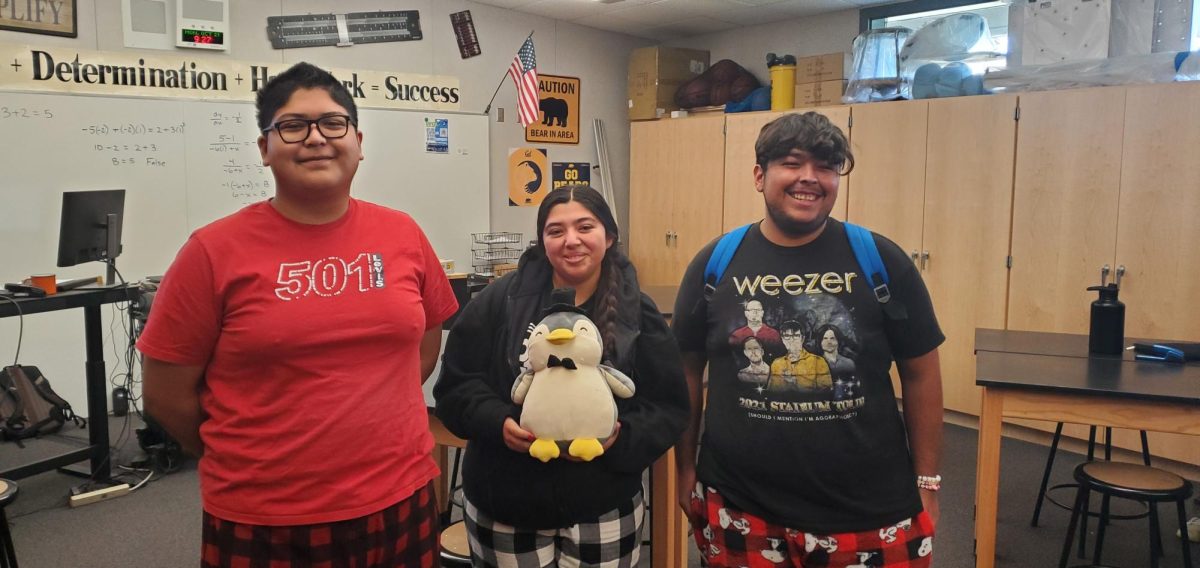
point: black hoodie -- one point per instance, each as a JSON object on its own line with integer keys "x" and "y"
{"x": 480, "y": 365}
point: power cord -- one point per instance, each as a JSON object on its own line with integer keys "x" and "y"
{"x": 20, "y": 327}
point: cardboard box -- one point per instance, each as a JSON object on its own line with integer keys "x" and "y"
{"x": 655, "y": 73}
{"x": 820, "y": 94}
{"x": 826, "y": 67}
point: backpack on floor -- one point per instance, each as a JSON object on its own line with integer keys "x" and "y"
{"x": 29, "y": 407}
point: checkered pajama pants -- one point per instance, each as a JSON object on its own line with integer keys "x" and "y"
{"x": 612, "y": 541}
{"x": 403, "y": 535}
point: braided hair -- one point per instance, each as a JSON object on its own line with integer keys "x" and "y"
{"x": 611, "y": 281}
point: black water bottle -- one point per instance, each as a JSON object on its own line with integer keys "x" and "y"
{"x": 1108, "y": 322}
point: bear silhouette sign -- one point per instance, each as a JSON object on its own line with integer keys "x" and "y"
{"x": 558, "y": 111}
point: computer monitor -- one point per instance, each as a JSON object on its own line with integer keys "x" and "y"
{"x": 90, "y": 229}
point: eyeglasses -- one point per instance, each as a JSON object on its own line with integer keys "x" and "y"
{"x": 296, "y": 130}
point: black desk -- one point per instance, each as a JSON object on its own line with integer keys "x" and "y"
{"x": 1051, "y": 377}
{"x": 94, "y": 372}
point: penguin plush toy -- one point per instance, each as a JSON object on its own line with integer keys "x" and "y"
{"x": 565, "y": 393}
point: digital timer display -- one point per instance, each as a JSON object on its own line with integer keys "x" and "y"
{"x": 203, "y": 37}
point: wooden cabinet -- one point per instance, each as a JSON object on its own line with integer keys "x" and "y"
{"x": 1067, "y": 181}
{"x": 888, "y": 181}
{"x": 676, "y": 174}
{"x": 1157, "y": 228}
{"x": 744, "y": 204}
{"x": 1108, "y": 177}
{"x": 1159, "y": 224}
{"x": 936, "y": 178}
{"x": 964, "y": 247}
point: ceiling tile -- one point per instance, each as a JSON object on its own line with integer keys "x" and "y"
{"x": 615, "y": 23}
{"x": 706, "y": 6}
{"x": 506, "y": 3}
{"x": 746, "y": 16}
{"x": 694, "y": 26}
{"x": 566, "y": 10}
{"x": 661, "y": 12}
{"x": 810, "y": 8}
{"x": 767, "y": 2}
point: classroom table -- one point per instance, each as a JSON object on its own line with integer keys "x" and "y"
{"x": 1052, "y": 377}
{"x": 90, "y": 300}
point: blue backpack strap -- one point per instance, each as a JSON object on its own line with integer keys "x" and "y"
{"x": 721, "y": 257}
{"x": 867, "y": 254}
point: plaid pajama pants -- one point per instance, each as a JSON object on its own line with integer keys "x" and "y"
{"x": 729, "y": 537}
{"x": 403, "y": 535}
{"x": 613, "y": 540}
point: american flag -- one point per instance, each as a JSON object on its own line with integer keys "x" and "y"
{"x": 524, "y": 74}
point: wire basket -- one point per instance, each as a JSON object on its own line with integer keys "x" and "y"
{"x": 496, "y": 238}
{"x": 496, "y": 256}
{"x": 491, "y": 251}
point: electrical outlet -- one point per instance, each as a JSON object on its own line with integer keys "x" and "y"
{"x": 99, "y": 495}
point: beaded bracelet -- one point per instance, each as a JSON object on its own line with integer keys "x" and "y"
{"x": 929, "y": 482}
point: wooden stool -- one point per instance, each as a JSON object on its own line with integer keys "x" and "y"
{"x": 1129, "y": 481}
{"x": 1091, "y": 454}
{"x": 456, "y": 551}
{"x": 8, "y": 554}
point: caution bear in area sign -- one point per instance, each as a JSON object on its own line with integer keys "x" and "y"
{"x": 559, "y": 111}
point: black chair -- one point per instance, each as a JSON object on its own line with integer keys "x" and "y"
{"x": 8, "y": 554}
{"x": 1128, "y": 481}
{"x": 1041, "y": 496}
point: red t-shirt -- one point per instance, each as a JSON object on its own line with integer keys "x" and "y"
{"x": 311, "y": 336}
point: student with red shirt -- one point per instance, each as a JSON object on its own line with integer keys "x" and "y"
{"x": 287, "y": 347}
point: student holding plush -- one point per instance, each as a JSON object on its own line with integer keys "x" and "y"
{"x": 287, "y": 347}
{"x": 521, "y": 511}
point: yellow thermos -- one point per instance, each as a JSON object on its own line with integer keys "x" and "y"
{"x": 783, "y": 81}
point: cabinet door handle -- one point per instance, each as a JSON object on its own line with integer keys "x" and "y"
{"x": 924, "y": 259}
{"x": 914, "y": 256}
{"x": 674, "y": 239}
{"x": 668, "y": 237}
{"x": 1104, "y": 270}
{"x": 1120, "y": 273}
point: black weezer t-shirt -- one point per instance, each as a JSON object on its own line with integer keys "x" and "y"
{"x": 801, "y": 426}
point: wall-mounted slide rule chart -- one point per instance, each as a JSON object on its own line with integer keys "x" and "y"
{"x": 464, "y": 32}
{"x": 314, "y": 30}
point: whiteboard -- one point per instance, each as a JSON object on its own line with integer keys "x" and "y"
{"x": 183, "y": 164}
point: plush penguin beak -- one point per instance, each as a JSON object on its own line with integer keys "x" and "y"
{"x": 560, "y": 335}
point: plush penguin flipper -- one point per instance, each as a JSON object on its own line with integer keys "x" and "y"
{"x": 621, "y": 385}
{"x": 521, "y": 387}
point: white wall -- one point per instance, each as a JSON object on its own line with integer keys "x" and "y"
{"x": 598, "y": 58}
{"x": 748, "y": 46}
